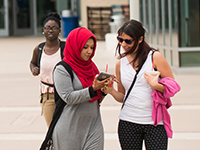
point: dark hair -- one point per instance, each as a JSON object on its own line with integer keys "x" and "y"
{"x": 135, "y": 30}
{"x": 52, "y": 16}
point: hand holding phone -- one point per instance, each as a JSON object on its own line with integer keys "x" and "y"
{"x": 103, "y": 75}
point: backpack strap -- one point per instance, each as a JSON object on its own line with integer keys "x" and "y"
{"x": 69, "y": 70}
{"x": 130, "y": 88}
{"x": 60, "y": 104}
{"x": 62, "y": 46}
{"x": 67, "y": 67}
{"x": 153, "y": 51}
{"x": 40, "y": 49}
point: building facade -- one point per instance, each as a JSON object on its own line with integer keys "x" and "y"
{"x": 25, "y": 17}
{"x": 173, "y": 27}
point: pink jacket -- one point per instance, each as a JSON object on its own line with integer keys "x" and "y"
{"x": 162, "y": 102}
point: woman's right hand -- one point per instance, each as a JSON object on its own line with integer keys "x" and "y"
{"x": 100, "y": 84}
{"x": 35, "y": 71}
{"x": 108, "y": 87}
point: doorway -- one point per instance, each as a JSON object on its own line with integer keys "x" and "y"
{"x": 23, "y": 17}
{"x": 4, "y": 18}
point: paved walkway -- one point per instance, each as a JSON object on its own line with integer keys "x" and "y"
{"x": 22, "y": 127}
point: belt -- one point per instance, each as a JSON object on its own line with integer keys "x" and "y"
{"x": 50, "y": 85}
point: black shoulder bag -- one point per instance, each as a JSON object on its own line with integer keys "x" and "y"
{"x": 60, "y": 104}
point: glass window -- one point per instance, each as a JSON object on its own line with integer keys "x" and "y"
{"x": 161, "y": 40}
{"x": 167, "y": 36}
{"x": 23, "y": 14}
{"x": 141, "y": 11}
{"x": 174, "y": 23}
{"x": 144, "y": 17}
{"x": 153, "y": 20}
{"x": 189, "y": 22}
{"x": 147, "y": 27}
{"x": 189, "y": 59}
{"x": 2, "y": 23}
{"x": 43, "y": 8}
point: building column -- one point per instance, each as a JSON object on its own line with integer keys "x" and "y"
{"x": 134, "y": 9}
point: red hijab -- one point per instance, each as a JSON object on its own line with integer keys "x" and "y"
{"x": 85, "y": 70}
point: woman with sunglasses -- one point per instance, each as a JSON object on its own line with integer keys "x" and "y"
{"x": 135, "y": 119}
{"x": 51, "y": 54}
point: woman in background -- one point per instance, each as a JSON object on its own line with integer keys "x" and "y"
{"x": 45, "y": 56}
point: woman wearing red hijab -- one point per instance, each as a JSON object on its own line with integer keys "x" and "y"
{"x": 79, "y": 126}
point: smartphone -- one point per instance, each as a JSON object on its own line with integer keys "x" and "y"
{"x": 103, "y": 75}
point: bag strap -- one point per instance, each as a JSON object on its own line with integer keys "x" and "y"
{"x": 62, "y": 47}
{"x": 130, "y": 88}
{"x": 60, "y": 104}
{"x": 40, "y": 49}
{"x": 49, "y": 84}
{"x": 69, "y": 70}
{"x": 67, "y": 67}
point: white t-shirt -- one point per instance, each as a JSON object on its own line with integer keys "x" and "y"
{"x": 48, "y": 63}
{"x": 138, "y": 106}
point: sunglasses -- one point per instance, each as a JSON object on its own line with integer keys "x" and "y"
{"x": 128, "y": 41}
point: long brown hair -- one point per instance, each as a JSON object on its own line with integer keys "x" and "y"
{"x": 135, "y": 30}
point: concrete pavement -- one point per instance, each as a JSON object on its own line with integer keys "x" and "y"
{"x": 22, "y": 127}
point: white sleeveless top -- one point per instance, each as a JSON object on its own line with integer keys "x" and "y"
{"x": 47, "y": 65}
{"x": 138, "y": 106}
